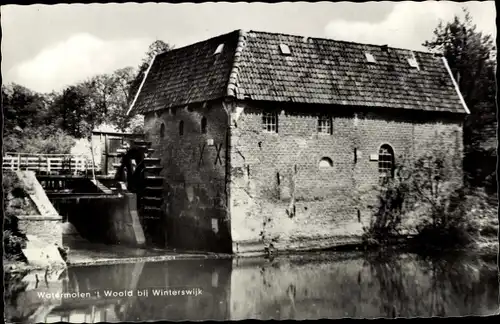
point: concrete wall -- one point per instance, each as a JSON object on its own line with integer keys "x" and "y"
{"x": 39, "y": 217}
{"x": 46, "y": 228}
{"x": 110, "y": 220}
{"x": 194, "y": 169}
{"x": 310, "y": 207}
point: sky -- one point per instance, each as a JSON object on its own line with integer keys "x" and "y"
{"x": 48, "y": 47}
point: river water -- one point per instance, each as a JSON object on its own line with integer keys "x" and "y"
{"x": 303, "y": 286}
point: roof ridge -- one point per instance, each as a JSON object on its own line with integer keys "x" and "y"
{"x": 232, "y": 84}
{"x": 341, "y": 41}
{"x": 188, "y": 46}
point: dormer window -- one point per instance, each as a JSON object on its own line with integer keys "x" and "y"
{"x": 285, "y": 50}
{"x": 219, "y": 49}
{"x": 412, "y": 61}
{"x": 370, "y": 58}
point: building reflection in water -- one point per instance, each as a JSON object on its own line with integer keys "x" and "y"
{"x": 294, "y": 287}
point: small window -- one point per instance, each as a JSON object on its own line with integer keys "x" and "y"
{"x": 162, "y": 130}
{"x": 204, "y": 125}
{"x": 181, "y": 127}
{"x": 285, "y": 50}
{"x": 324, "y": 125}
{"x": 325, "y": 163}
{"x": 219, "y": 49}
{"x": 386, "y": 163}
{"x": 270, "y": 122}
{"x": 370, "y": 58}
{"x": 413, "y": 63}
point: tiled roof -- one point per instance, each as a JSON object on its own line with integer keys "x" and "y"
{"x": 319, "y": 71}
{"x": 187, "y": 74}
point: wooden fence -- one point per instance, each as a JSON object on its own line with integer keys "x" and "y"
{"x": 47, "y": 163}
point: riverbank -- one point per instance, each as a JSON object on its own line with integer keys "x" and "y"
{"x": 101, "y": 254}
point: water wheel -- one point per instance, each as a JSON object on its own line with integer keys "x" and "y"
{"x": 141, "y": 174}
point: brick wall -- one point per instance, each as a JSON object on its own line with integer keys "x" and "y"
{"x": 308, "y": 207}
{"x": 194, "y": 169}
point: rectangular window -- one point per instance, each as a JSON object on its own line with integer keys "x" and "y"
{"x": 324, "y": 125}
{"x": 270, "y": 122}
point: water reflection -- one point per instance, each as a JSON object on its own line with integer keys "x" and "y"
{"x": 295, "y": 287}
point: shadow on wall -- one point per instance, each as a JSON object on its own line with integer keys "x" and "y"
{"x": 195, "y": 174}
{"x": 94, "y": 219}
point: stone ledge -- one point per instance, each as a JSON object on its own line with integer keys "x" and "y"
{"x": 40, "y": 217}
{"x": 256, "y": 248}
{"x": 249, "y": 248}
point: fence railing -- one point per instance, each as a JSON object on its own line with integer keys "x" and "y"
{"x": 47, "y": 163}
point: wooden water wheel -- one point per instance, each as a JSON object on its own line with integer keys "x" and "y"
{"x": 141, "y": 174}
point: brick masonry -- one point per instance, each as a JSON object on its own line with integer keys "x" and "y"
{"x": 194, "y": 169}
{"x": 310, "y": 207}
{"x": 271, "y": 190}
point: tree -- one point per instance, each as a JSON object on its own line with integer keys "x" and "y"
{"x": 22, "y": 108}
{"x": 154, "y": 49}
{"x": 109, "y": 97}
{"x": 469, "y": 54}
{"x": 70, "y": 111}
{"x": 121, "y": 99}
{"x": 471, "y": 57}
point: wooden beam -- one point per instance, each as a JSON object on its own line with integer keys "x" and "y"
{"x": 68, "y": 196}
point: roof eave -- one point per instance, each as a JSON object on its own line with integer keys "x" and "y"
{"x": 142, "y": 84}
{"x": 457, "y": 89}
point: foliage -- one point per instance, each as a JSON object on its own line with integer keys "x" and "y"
{"x": 430, "y": 190}
{"x": 157, "y": 47}
{"x": 392, "y": 206}
{"x": 23, "y": 108}
{"x": 13, "y": 244}
{"x": 49, "y": 123}
{"x": 40, "y": 141}
{"x": 472, "y": 60}
{"x": 13, "y": 239}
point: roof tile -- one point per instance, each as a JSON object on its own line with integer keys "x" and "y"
{"x": 319, "y": 71}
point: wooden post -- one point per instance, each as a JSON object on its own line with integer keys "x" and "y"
{"x": 106, "y": 146}
{"x": 18, "y": 161}
{"x": 92, "y": 153}
{"x": 48, "y": 165}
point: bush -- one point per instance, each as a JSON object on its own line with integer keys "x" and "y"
{"x": 489, "y": 230}
{"x": 13, "y": 239}
{"x": 430, "y": 188}
{"x": 13, "y": 243}
{"x": 43, "y": 140}
{"x": 389, "y": 212}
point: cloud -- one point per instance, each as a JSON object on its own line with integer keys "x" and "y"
{"x": 411, "y": 23}
{"x": 75, "y": 59}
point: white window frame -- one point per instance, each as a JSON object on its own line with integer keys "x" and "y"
{"x": 270, "y": 122}
{"x": 324, "y": 125}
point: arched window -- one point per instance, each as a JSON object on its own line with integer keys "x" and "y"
{"x": 386, "y": 162}
{"x": 162, "y": 130}
{"x": 181, "y": 127}
{"x": 325, "y": 163}
{"x": 204, "y": 125}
